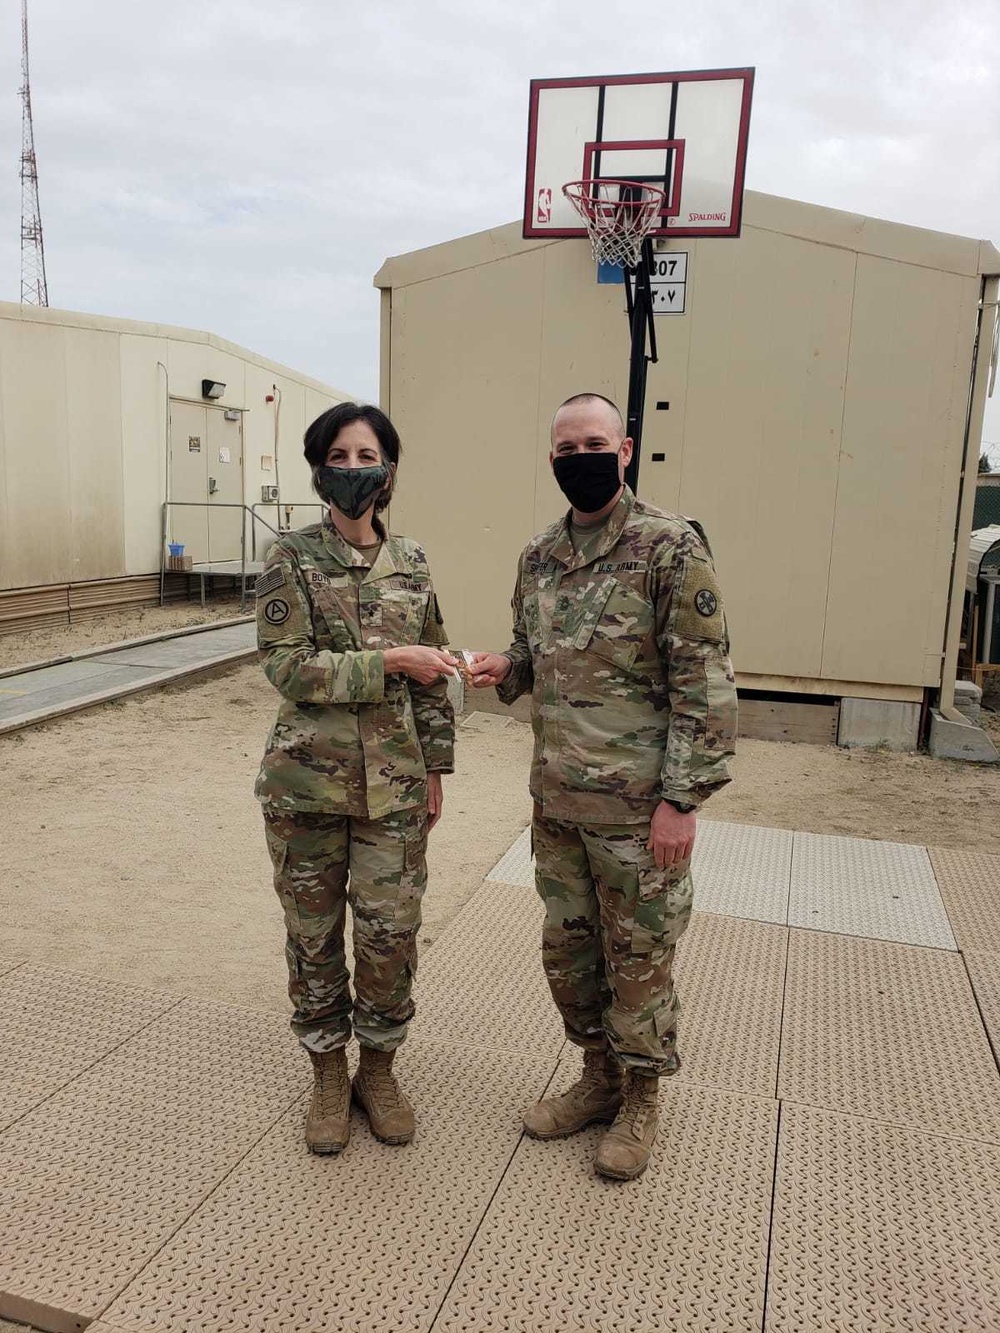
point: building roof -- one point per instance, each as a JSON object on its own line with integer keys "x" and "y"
{"x": 27, "y": 314}
{"x": 762, "y": 212}
{"x": 981, "y": 543}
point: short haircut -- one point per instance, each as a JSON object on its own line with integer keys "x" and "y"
{"x": 590, "y": 398}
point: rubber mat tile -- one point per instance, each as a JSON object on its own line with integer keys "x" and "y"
{"x": 516, "y": 866}
{"x": 187, "y": 648}
{"x": 740, "y": 870}
{"x": 984, "y": 971}
{"x": 98, "y": 1177}
{"x": 682, "y": 1248}
{"x": 879, "y": 1228}
{"x": 483, "y": 981}
{"x": 509, "y": 915}
{"x": 887, "y": 1031}
{"x": 369, "y": 1240}
{"x": 54, "y": 1025}
{"x": 882, "y": 890}
{"x": 970, "y": 886}
{"x": 730, "y": 977}
{"x": 50, "y": 686}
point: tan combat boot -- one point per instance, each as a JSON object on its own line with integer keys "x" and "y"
{"x": 623, "y": 1152}
{"x": 378, "y": 1094}
{"x": 594, "y": 1098}
{"x": 328, "y": 1121}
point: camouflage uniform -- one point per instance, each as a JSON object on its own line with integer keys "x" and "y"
{"x": 343, "y": 781}
{"x": 625, "y": 651}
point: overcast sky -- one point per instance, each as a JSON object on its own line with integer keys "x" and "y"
{"x": 245, "y": 167}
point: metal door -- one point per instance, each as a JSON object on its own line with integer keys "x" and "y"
{"x": 225, "y": 485}
{"x": 189, "y": 478}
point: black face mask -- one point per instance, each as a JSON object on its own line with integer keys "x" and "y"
{"x": 353, "y": 490}
{"x": 588, "y": 481}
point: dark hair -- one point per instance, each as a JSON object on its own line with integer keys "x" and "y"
{"x": 328, "y": 425}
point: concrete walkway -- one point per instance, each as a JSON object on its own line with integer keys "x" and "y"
{"x": 829, "y": 1155}
{"x": 37, "y": 693}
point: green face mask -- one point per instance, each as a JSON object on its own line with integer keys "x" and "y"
{"x": 352, "y": 490}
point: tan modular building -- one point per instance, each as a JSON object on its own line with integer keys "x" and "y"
{"x": 102, "y": 421}
{"x": 815, "y": 407}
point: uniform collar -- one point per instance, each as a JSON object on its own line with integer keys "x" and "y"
{"x": 611, "y": 532}
{"x": 391, "y": 559}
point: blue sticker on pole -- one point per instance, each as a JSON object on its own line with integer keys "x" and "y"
{"x": 610, "y": 273}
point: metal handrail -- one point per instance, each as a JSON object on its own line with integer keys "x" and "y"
{"x": 274, "y": 504}
{"x": 255, "y": 518}
{"x": 208, "y": 504}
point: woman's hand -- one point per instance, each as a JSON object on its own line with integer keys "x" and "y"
{"x": 489, "y": 669}
{"x": 435, "y": 799}
{"x": 420, "y": 663}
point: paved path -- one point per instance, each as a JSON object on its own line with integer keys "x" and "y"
{"x": 90, "y": 678}
{"x": 829, "y": 1156}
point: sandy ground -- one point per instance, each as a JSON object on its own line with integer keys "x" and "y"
{"x": 134, "y": 845}
{"x": 39, "y": 645}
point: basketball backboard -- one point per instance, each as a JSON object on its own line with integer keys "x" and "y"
{"x": 686, "y": 133}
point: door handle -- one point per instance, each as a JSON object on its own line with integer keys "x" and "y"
{"x": 213, "y": 486}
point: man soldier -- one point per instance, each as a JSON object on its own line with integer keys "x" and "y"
{"x": 620, "y": 636}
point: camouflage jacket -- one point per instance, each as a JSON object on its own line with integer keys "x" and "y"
{"x": 348, "y": 738}
{"x": 625, "y": 651}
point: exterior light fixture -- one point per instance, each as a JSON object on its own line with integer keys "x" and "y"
{"x": 212, "y": 389}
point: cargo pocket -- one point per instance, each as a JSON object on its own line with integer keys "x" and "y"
{"x": 413, "y": 879}
{"x": 662, "y": 907}
{"x": 399, "y": 614}
{"x": 616, "y": 623}
{"x": 277, "y": 849}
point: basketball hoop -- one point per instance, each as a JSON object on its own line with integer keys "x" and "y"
{"x": 618, "y": 215}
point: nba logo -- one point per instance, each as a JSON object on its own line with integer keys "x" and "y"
{"x": 544, "y": 206}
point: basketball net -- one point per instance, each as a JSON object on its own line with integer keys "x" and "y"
{"x": 618, "y": 215}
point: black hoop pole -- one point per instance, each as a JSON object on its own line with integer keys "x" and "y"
{"x": 640, "y": 312}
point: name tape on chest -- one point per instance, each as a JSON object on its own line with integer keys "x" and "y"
{"x": 407, "y": 582}
{"x": 537, "y": 566}
{"x": 621, "y": 567}
{"x": 270, "y": 581}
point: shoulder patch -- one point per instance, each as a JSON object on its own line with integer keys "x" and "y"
{"x": 697, "y": 612}
{"x": 277, "y": 611}
{"x": 269, "y": 581}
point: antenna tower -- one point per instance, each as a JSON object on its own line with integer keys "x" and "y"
{"x": 34, "y": 288}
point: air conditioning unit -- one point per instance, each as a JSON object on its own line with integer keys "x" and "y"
{"x": 269, "y": 494}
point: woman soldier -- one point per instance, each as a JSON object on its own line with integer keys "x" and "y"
{"x": 351, "y": 636}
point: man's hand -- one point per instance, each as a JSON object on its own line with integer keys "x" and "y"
{"x": 489, "y": 669}
{"x": 671, "y": 835}
{"x": 420, "y": 663}
{"x": 435, "y": 799}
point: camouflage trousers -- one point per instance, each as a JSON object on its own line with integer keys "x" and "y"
{"x": 322, "y": 863}
{"x": 612, "y": 924}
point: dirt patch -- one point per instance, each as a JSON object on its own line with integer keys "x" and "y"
{"x": 135, "y": 848}
{"x": 864, "y": 794}
{"x": 38, "y": 645}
